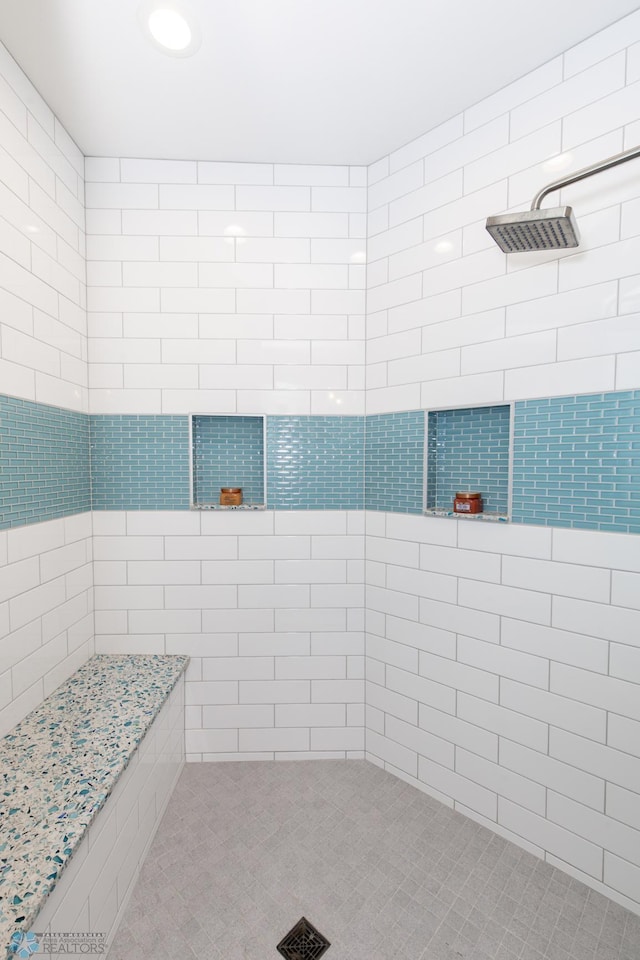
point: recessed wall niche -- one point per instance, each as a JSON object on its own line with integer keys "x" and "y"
{"x": 469, "y": 450}
{"x": 227, "y": 451}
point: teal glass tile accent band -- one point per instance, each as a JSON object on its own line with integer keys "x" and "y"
{"x": 228, "y": 452}
{"x": 140, "y": 462}
{"x": 394, "y": 462}
{"x": 44, "y": 462}
{"x": 315, "y": 463}
{"x": 469, "y": 450}
{"x": 576, "y": 462}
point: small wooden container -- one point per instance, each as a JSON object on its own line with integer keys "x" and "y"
{"x": 465, "y": 502}
{"x": 230, "y": 496}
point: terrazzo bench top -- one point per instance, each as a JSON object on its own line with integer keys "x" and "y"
{"x": 59, "y": 765}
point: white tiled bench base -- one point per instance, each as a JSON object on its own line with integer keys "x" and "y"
{"x": 94, "y": 890}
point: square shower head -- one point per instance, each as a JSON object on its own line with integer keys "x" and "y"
{"x": 552, "y": 229}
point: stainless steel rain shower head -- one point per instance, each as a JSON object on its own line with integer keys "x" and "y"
{"x": 553, "y": 229}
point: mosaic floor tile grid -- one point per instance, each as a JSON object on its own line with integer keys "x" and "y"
{"x": 384, "y": 871}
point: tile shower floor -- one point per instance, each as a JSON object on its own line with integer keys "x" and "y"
{"x": 383, "y": 871}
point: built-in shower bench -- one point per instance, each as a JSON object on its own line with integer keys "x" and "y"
{"x": 84, "y": 781}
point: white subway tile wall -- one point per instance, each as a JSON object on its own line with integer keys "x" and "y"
{"x": 46, "y": 610}
{"x": 269, "y": 606}
{"x": 541, "y": 322}
{"x": 521, "y": 661}
{"x": 225, "y": 287}
{"x": 46, "y": 579}
{"x": 43, "y": 328}
{"x": 507, "y": 703}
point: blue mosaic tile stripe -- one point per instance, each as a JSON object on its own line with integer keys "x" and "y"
{"x": 44, "y": 462}
{"x": 576, "y": 462}
{"x": 315, "y": 463}
{"x": 140, "y": 462}
{"x": 469, "y": 450}
{"x": 395, "y": 462}
{"x": 228, "y": 452}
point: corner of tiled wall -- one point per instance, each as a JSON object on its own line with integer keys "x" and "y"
{"x": 46, "y": 597}
{"x": 502, "y": 667}
{"x": 236, "y": 289}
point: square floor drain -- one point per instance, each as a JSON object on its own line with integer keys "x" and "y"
{"x": 303, "y": 942}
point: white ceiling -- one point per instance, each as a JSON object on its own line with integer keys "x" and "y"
{"x": 300, "y": 81}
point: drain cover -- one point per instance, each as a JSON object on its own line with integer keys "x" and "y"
{"x": 303, "y": 942}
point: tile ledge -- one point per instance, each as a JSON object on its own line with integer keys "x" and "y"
{"x": 217, "y": 506}
{"x": 487, "y": 517}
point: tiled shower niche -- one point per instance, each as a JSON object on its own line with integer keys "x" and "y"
{"x": 227, "y": 451}
{"x": 469, "y": 450}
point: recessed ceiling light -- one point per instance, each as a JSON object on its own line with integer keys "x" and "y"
{"x": 170, "y": 29}
{"x": 170, "y": 26}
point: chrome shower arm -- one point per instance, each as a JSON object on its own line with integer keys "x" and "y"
{"x": 584, "y": 173}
